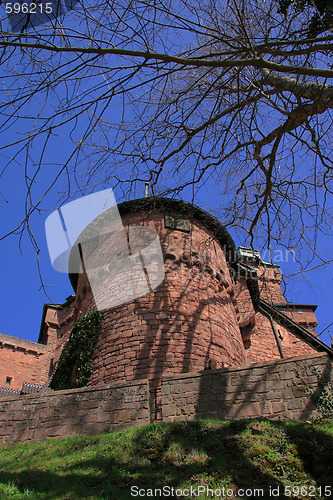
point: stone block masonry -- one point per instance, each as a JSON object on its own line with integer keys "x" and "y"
{"x": 22, "y": 361}
{"x": 206, "y": 314}
{"x": 73, "y": 412}
{"x": 275, "y": 389}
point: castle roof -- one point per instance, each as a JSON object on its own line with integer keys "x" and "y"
{"x": 165, "y": 205}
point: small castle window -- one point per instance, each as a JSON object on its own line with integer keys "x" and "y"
{"x": 8, "y": 380}
{"x": 178, "y": 222}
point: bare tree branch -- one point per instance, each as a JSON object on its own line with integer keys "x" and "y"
{"x": 226, "y": 97}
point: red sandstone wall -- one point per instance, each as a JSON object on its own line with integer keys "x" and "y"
{"x": 259, "y": 340}
{"x": 22, "y": 361}
{"x": 269, "y": 281}
{"x": 278, "y": 389}
{"x": 246, "y": 312}
{"x": 304, "y": 316}
{"x": 73, "y": 412}
{"x": 262, "y": 345}
{"x": 25, "y": 361}
{"x": 198, "y": 317}
{"x": 187, "y": 323}
{"x": 58, "y": 323}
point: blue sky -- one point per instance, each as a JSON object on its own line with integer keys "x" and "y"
{"x": 22, "y": 296}
{"x": 23, "y": 299}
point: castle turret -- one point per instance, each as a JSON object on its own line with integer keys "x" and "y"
{"x": 176, "y": 298}
{"x": 190, "y": 321}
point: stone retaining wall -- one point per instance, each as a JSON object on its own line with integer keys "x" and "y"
{"x": 274, "y": 390}
{"x": 73, "y": 412}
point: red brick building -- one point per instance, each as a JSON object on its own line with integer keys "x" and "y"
{"x": 217, "y": 307}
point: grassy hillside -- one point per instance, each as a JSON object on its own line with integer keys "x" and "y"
{"x": 253, "y": 455}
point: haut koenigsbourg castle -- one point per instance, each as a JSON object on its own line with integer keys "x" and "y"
{"x": 219, "y": 310}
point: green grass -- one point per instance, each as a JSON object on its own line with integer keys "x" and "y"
{"x": 245, "y": 454}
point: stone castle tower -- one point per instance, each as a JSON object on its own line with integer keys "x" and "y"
{"x": 216, "y": 307}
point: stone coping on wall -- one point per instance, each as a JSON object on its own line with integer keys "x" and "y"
{"x": 27, "y": 345}
{"x": 78, "y": 390}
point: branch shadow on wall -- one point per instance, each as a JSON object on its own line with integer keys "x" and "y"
{"x": 259, "y": 391}
{"x": 179, "y": 318}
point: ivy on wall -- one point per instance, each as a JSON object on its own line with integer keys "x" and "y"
{"x": 75, "y": 364}
{"x": 321, "y": 394}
